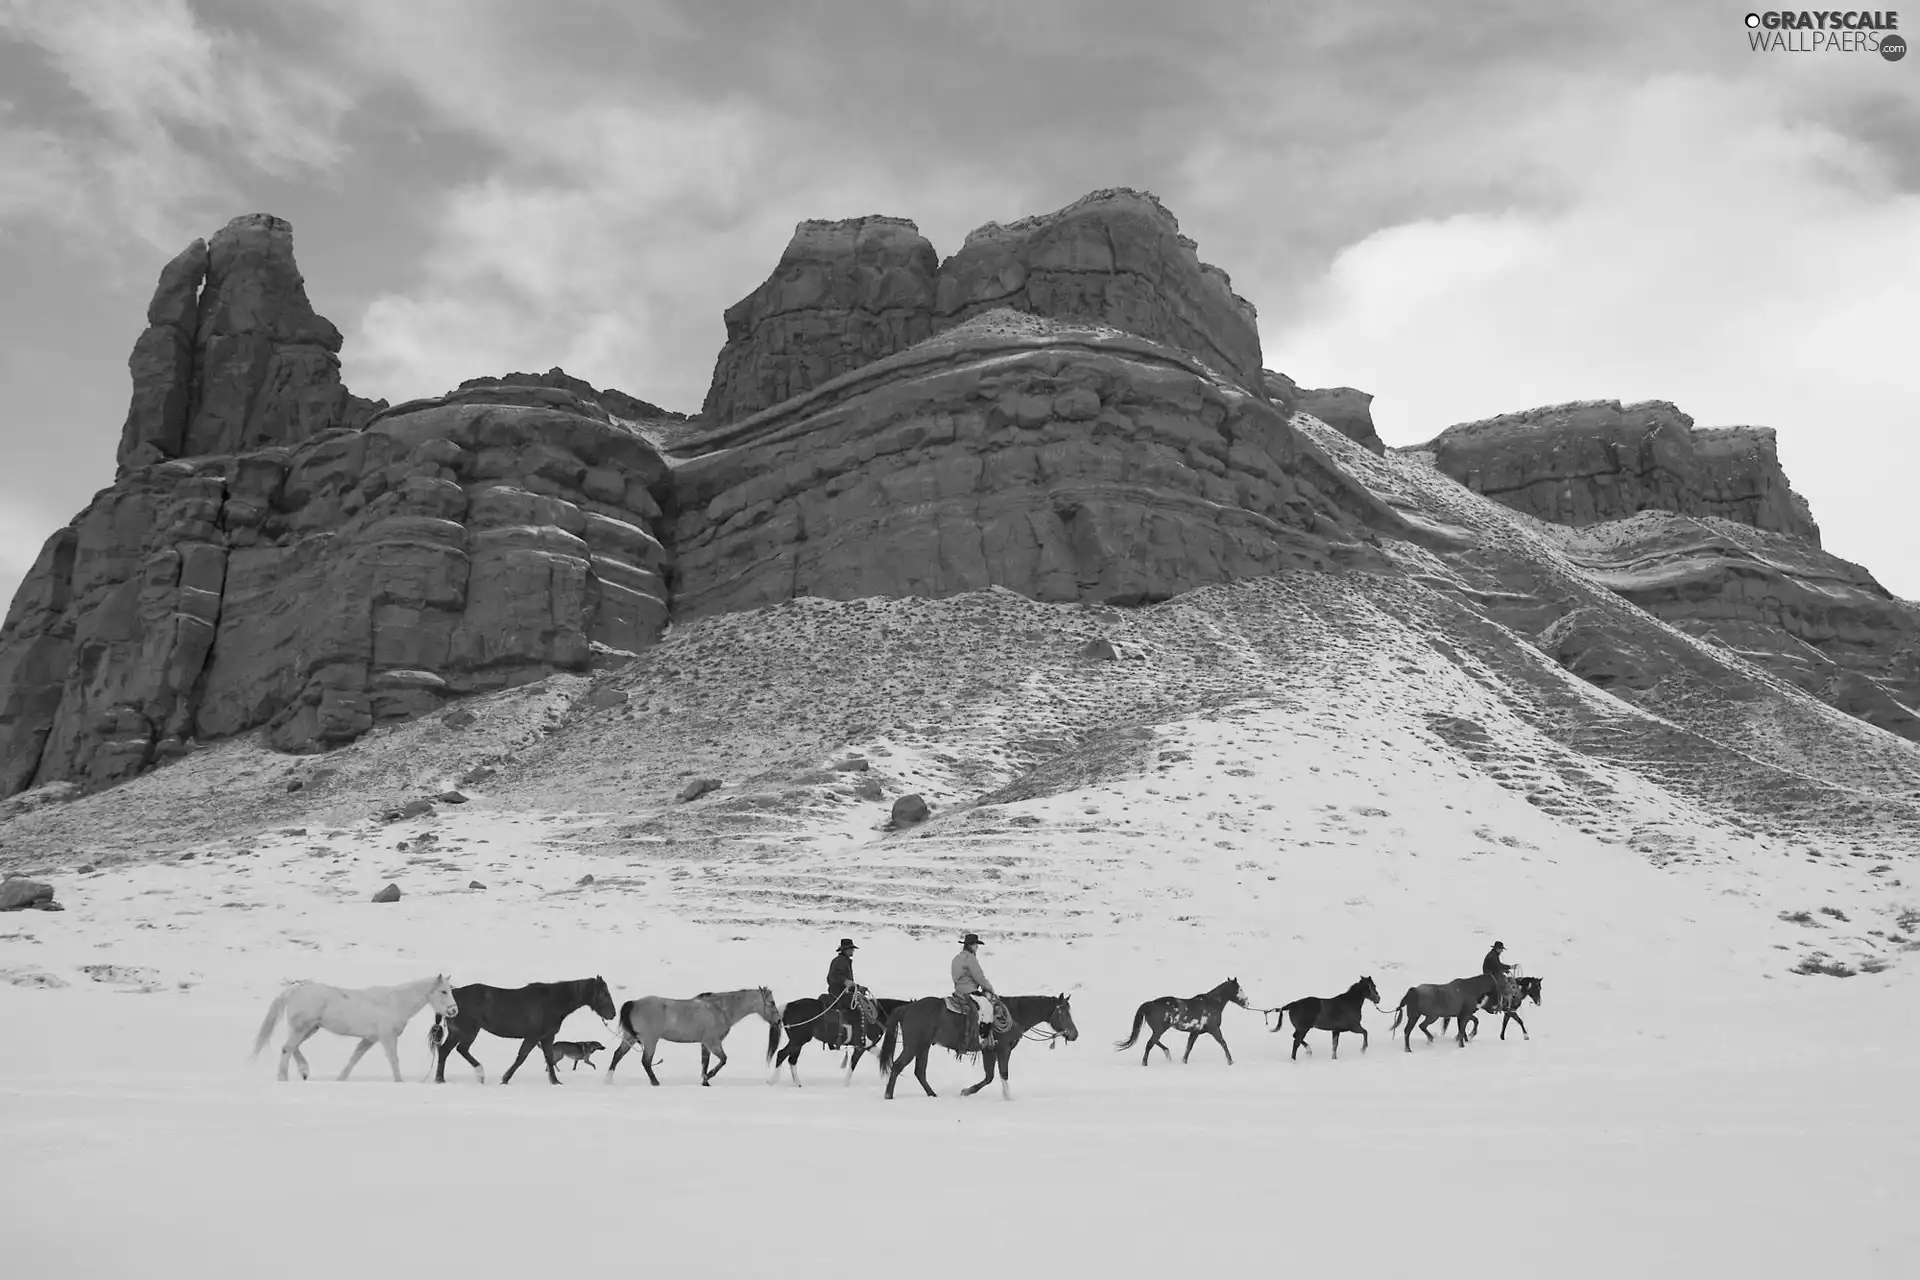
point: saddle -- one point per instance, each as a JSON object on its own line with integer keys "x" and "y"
{"x": 970, "y": 1019}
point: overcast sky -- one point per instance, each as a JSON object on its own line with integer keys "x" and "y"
{"x": 1461, "y": 214}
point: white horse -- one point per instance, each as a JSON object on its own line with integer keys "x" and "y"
{"x": 371, "y": 1013}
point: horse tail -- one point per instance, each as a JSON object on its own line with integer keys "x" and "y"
{"x": 1400, "y": 1010}
{"x": 274, "y": 1011}
{"x": 1139, "y": 1016}
{"x": 436, "y": 1035}
{"x": 891, "y": 1038}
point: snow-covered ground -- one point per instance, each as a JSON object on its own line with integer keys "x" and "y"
{"x": 1685, "y": 1106}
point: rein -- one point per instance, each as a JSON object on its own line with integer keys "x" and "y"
{"x": 833, "y": 1004}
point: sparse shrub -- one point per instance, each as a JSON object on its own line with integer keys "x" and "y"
{"x": 1835, "y": 912}
{"x": 1798, "y": 917}
{"x": 1822, "y": 964}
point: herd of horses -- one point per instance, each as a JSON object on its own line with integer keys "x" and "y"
{"x": 897, "y": 1032}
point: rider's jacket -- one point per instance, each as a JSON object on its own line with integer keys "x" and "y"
{"x": 968, "y": 977}
{"x": 1494, "y": 965}
{"x": 839, "y": 973}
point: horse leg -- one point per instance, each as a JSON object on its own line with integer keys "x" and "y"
{"x": 526, "y": 1047}
{"x": 1364, "y": 1038}
{"x": 893, "y": 1072}
{"x": 1336, "y": 1046}
{"x": 391, "y": 1043}
{"x": 1299, "y": 1038}
{"x": 619, "y": 1052}
{"x": 646, "y": 1059}
{"x": 987, "y": 1060}
{"x": 920, "y": 1068}
{"x": 296, "y": 1036}
{"x": 1193, "y": 1038}
{"x": 720, "y": 1053}
{"x": 1426, "y": 1022}
{"x": 359, "y": 1052}
{"x": 1215, "y": 1033}
{"x": 1153, "y": 1042}
{"x": 546, "y": 1048}
{"x": 465, "y": 1050}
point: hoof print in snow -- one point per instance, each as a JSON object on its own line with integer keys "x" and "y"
{"x": 389, "y": 894}
{"x": 699, "y": 787}
{"x": 909, "y": 811}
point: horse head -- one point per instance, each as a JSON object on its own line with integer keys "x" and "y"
{"x": 1235, "y": 994}
{"x": 600, "y": 1000}
{"x": 440, "y": 996}
{"x": 1366, "y": 988}
{"x": 1061, "y": 1019}
{"x": 1530, "y": 987}
{"x": 768, "y": 1008}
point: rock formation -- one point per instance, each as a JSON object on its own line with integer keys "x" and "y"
{"x": 1346, "y": 410}
{"x": 846, "y": 294}
{"x": 1072, "y": 407}
{"x": 1596, "y": 460}
{"x": 234, "y": 357}
{"x": 1064, "y": 461}
{"x": 302, "y": 567}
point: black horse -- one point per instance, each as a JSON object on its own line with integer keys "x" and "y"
{"x": 1197, "y": 1016}
{"x": 918, "y": 1025}
{"x": 531, "y": 1014}
{"x": 834, "y": 1027}
{"x": 1329, "y": 1013}
{"x": 1509, "y": 1006}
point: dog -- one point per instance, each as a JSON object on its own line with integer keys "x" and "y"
{"x": 578, "y": 1050}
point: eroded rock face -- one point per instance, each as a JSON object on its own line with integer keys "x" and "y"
{"x": 1821, "y": 622}
{"x": 1593, "y": 461}
{"x": 616, "y": 404}
{"x": 234, "y": 357}
{"x": 1063, "y": 462}
{"x": 846, "y": 294}
{"x": 843, "y": 295}
{"x": 454, "y": 546}
{"x": 1113, "y": 258}
{"x": 1346, "y": 410}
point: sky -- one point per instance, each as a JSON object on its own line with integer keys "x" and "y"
{"x": 1464, "y": 209}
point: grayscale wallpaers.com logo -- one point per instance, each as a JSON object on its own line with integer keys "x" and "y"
{"x": 1828, "y": 31}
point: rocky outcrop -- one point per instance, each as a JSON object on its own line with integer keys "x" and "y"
{"x": 616, "y": 404}
{"x": 1346, "y": 410}
{"x": 1066, "y": 462}
{"x": 1113, "y": 258}
{"x": 1598, "y": 460}
{"x": 1819, "y": 621}
{"x": 844, "y": 294}
{"x": 233, "y": 357}
{"x": 474, "y": 541}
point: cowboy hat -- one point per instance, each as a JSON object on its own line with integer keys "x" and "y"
{"x": 972, "y": 940}
{"x": 846, "y": 944}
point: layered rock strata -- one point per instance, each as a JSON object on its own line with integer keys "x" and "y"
{"x": 307, "y": 568}
{"x": 1065, "y": 462}
{"x": 846, "y": 294}
{"x": 1598, "y": 460}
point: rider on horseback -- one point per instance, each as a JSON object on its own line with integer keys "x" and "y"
{"x": 972, "y": 993}
{"x": 1497, "y": 969}
{"x": 842, "y": 992}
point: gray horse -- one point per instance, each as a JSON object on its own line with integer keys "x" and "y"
{"x": 1433, "y": 1001}
{"x": 703, "y": 1020}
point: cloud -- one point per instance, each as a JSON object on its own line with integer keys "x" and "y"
{"x": 164, "y": 113}
{"x": 1705, "y": 244}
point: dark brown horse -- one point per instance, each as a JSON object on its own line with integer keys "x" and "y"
{"x": 1509, "y": 1006}
{"x": 1197, "y": 1016}
{"x": 1430, "y": 1002}
{"x": 1328, "y": 1013}
{"x": 531, "y": 1014}
{"x": 917, "y": 1026}
{"x": 809, "y": 1019}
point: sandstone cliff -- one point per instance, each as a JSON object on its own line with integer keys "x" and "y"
{"x": 1346, "y": 410}
{"x": 1061, "y": 460}
{"x": 300, "y": 566}
{"x": 846, "y": 294}
{"x": 1586, "y": 462}
{"x": 233, "y": 356}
